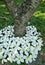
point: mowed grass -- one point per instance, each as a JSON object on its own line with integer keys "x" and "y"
{"x": 38, "y": 19}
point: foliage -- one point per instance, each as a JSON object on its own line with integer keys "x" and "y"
{"x": 19, "y": 1}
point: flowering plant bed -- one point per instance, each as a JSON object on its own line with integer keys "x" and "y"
{"x": 19, "y": 49}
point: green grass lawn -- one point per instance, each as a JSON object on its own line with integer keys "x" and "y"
{"x": 38, "y": 18}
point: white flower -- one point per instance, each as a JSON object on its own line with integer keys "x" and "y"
{"x": 7, "y": 51}
{"x": 10, "y": 58}
{"x": 26, "y": 42}
{"x": 28, "y": 59}
{"x": 28, "y": 47}
{"x": 40, "y": 41}
{"x": 19, "y": 49}
{"x": 23, "y": 49}
{"x": 18, "y": 40}
{"x": 1, "y": 33}
{"x": 19, "y": 58}
{"x": 14, "y": 52}
{"x": 34, "y": 56}
{"x": 26, "y": 52}
{"x": 4, "y": 60}
{"x": 34, "y": 43}
{"x": 34, "y": 50}
{"x": 38, "y": 48}
{"x": 1, "y": 52}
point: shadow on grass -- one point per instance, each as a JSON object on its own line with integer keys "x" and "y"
{"x": 5, "y": 17}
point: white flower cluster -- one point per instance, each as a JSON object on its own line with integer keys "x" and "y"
{"x": 19, "y": 49}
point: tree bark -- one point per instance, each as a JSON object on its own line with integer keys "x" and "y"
{"x": 21, "y": 13}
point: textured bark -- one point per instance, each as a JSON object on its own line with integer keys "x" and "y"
{"x": 21, "y": 13}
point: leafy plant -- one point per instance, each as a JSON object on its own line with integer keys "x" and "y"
{"x": 19, "y": 1}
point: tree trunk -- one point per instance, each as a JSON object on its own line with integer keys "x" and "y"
{"x": 21, "y": 13}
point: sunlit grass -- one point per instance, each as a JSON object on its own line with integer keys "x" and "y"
{"x": 2, "y": 5}
{"x": 39, "y": 14}
{"x": 6, "y": 13}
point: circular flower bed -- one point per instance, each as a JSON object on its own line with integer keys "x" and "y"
{"x": 19, "y": 49}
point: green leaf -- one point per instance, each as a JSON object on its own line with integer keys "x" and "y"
{"x": 19, "y": 1}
